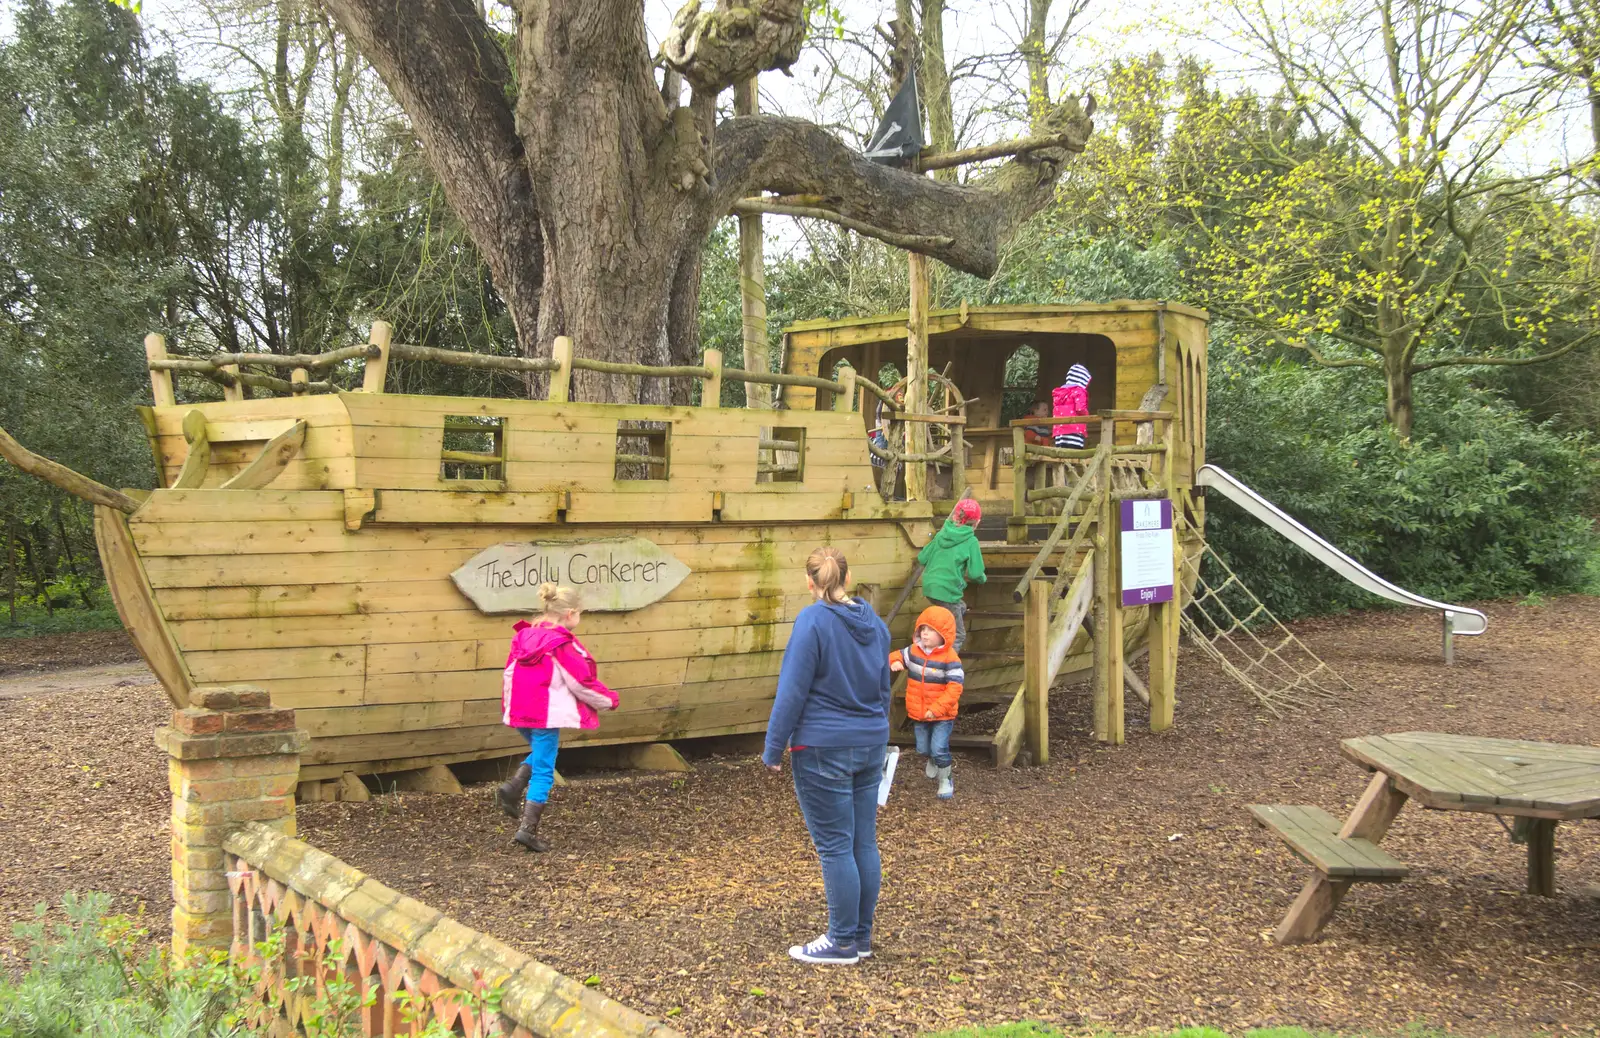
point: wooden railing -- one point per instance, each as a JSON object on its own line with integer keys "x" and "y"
{"x": 319, "y": 937}
{"x": 227, "y": 370}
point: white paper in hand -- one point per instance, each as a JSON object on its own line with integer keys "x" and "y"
{"x": 890, "y": 759}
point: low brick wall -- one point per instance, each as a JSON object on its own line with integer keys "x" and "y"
{"x": 402, "y": 945}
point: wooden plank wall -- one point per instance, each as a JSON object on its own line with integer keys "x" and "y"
{"x": 238, "y": 430}
{"x": 572, "y": 448}
{"x": 388, "y": 664}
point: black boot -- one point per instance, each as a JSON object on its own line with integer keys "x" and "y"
{"x": 528, "y": 834}
{"x": 509, "y": 794}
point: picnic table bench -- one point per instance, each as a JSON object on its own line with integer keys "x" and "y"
{"x": 1540, "y": 784}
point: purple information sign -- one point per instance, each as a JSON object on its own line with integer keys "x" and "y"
{"x": 1147, "y": 552}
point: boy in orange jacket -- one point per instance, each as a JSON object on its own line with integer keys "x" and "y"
{"x": 933, "y": 689}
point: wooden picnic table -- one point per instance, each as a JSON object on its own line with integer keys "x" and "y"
{"x": 1539, "y": 783}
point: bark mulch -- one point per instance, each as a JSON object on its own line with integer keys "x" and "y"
{"x": 1112, "y": 889}
{"x": 60, "y": 651}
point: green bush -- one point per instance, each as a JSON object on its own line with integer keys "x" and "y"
{"x": 33, "y": 620}
{"x": 88, "y": 977}
{"x": 1482, "y": 503}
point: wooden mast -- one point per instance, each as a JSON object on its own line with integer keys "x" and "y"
{"x": 752, "y": 270}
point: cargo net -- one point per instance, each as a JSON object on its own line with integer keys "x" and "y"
{"x": 1232, "y": 626}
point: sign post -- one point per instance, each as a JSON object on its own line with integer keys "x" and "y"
{"x": 1148, "y": 577}
{"x": 1147, "y": 570}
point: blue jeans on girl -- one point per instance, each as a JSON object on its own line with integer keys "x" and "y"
{"x": 542, "y": 746}
{"x": 837, "y": 787}
{"x": 933, "y": 741}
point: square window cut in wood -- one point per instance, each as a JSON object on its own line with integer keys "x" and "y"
{"x": 644, "y": 450}
{"x": 474, "y": 452}
{"x": 781, "y": 457}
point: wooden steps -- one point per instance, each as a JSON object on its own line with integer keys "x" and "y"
{"x": 1313, "y": 834}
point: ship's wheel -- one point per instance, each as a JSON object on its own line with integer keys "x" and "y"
{"x": 944, "y": 401}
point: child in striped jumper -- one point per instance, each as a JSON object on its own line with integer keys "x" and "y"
{"x": 933, "y": 690}
{"x": 1071, "y": 400}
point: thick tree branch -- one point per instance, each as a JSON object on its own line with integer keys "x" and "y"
{"x": 439, "y": 61}
{"x": 961, "y": 226}
{"x": 909, "y": 242}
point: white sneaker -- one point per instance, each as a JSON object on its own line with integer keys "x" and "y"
{"x": 947, "y": 785}
{"x": 823, "y": 951}
{"x": 932, "y": 770}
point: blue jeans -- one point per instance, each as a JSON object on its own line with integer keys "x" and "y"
{"x": 837, "y": 787}
{"x": 542, "y": 745}
{"x": 933, "y": 740}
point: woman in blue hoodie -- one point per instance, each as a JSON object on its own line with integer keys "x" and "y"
{"x": 832, "y": 712}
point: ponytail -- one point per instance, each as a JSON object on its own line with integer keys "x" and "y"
{"x": 557, "y": 599}
{"x": 828, "y": 570}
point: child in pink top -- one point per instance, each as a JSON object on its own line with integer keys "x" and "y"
{"x": 550, "y": 683}
{"x": 1071, "y": 400}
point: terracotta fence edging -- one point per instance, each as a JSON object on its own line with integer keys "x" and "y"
{"x": 536, "y": 999}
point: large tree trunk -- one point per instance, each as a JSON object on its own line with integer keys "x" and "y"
{"x": 592, "y": 201}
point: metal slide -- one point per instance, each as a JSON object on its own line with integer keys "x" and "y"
{"x": 1457, "y": 619}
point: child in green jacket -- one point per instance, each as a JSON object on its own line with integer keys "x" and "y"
{"x": 951, "y": 560}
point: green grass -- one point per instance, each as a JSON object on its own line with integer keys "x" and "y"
{"x": 34, "y": 620}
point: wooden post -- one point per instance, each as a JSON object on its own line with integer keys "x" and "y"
{"x": 561, "y": 378}
{"x": 711, "y": 388}
{"x": 1108, "y": 710}
{"x": 846, "y": 401}
{"x": 917, "y": 377}
{"x": 1101, "y": 728}
{"x": 1017, "y": 526}
{"x": 1115, "y": 661}
{"x": 1163, "y": 626}
{"x": 752, "y": 272}
{"x": 1036, "y": 670}
{"x": 235, "y": 391}
{"x": 1449, "y": 637}
{"x": 300, "y": 382}
{"x": 155, "y": 348}
{"x": 377, "y": 370}
{"x": 1542, "y": 857}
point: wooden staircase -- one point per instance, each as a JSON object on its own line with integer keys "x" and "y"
{"x": 1057, "y": 569}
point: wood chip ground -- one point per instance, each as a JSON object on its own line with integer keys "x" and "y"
{"x": 1114, "y": 889}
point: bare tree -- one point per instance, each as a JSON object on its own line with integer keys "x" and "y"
{"x": 1407, "y": 240}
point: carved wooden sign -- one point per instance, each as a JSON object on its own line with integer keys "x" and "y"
{"x": 609, "y": 576}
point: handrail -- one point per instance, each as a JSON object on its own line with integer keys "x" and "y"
{"x": 309, "y": 361}
{"x": 1078, "y": 537}
{"x": 221, "y": 367}
{"x": 1063, "y": 524}
{"x": 916, "y": 569}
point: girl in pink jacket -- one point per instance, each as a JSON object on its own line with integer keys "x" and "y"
{"x": 1071, "y": 400}
{"x": 550, "y": 683}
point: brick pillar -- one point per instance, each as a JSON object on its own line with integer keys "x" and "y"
{"x": 233, "y": 759}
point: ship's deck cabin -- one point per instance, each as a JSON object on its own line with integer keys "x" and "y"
{"x": 1143, "y": 355}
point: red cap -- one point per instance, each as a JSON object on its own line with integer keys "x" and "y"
{"x": 967, "y": 512}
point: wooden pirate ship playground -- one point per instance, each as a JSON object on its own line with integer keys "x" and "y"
{"x": 362, "y": 554}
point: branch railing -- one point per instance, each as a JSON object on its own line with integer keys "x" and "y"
{"x": 226, "y": 370}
